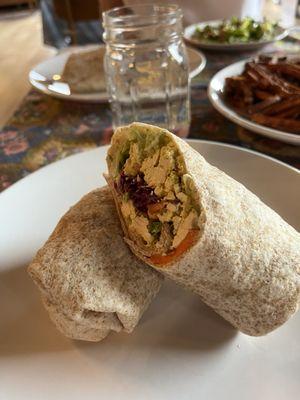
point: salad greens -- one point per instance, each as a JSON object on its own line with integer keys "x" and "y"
{"x": 237, "y": 30}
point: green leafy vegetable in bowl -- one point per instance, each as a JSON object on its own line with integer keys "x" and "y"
{"x": 237, "y": 30}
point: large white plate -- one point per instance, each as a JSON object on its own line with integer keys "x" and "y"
{"x": 41, "y": 76}
{"x": 190, "y": 30}
{"x": 181, "y": 349}
{"x": 215, "y": 94}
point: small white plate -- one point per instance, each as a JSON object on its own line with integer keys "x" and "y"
{"x": 215, "y": 94}
{"x": 190, "y": 30}
{"x": 180, "y": 350}
{"x": 41, "y": 76}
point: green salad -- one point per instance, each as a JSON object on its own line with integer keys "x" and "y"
{"x": 237, "y": 30}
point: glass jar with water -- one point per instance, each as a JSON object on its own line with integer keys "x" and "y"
{"x": 146, "y": 66}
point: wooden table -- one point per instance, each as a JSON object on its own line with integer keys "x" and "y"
{"x": 21, "y": 47}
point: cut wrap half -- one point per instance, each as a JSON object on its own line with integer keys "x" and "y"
{"x": 90, "y": 282}
{"x": 203, "y": 229}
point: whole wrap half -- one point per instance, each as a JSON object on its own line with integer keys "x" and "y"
{"x": 204, "y": 229}
{"x": 90, "y": 282}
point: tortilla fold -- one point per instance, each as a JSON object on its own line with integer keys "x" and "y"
{"x": 90, "y": 282}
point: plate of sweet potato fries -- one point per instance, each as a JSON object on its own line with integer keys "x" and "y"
{"x": 262, "y": 95}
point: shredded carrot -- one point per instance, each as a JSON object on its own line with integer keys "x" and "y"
{"x": 156, "y": 207}
{"x": 187, "y": 242}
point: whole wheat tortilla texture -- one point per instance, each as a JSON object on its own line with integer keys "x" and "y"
{"x": 90, "y": 281}
{"x": 70, "y": 328}
{"x": 246, "y": 263}
{"x": 84, "y": 71}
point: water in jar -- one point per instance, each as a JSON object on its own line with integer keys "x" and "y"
{"x": 147, "y": 80}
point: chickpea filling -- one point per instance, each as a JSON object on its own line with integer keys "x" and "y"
{"x": 156, "y": 196}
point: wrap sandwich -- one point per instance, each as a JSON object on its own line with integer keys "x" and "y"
{"x": 90, "y": 282}
{"x": 203, "y": 229}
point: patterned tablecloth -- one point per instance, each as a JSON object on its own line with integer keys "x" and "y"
{"x": 45, "y": 129}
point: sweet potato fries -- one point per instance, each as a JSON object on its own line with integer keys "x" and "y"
{"x": 268, "y": 92}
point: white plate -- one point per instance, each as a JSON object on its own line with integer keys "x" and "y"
{"x": 181, "y": 349}
{"x": 197, "y": 61}
{"x": 215, "y": 94}
{"x": 190, "y": 30}
{"x": 41, "y": 76}
{"x": 294, "y": 32}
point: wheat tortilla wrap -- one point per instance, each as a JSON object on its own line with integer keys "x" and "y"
{"x": 203, "y": 229}
{"x": 90, "y": 282}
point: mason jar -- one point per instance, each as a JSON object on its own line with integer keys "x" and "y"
{"x": 146, "y": 66}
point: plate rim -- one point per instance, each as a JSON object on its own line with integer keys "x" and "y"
{"x": 188, "y": 140}
{"x": 188, "y": 30}
{"x": 96, "y": 97}
{"x": 218, "y": 103}
{"x": 201, "y": 66}
{"x": 246, "y": 150}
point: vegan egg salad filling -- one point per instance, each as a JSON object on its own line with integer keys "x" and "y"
{"x": 157, "y": 199}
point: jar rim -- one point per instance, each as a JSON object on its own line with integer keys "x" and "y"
{"x": 140, "y": 14}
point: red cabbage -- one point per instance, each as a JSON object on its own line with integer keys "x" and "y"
{"x": 138, "y": 191}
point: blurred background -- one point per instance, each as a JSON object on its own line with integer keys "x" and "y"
{"x": 31, "y": 30}
{"x": 38, "y": 127}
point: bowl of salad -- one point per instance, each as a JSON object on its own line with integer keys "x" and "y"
{"x": 240, "y": 34}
